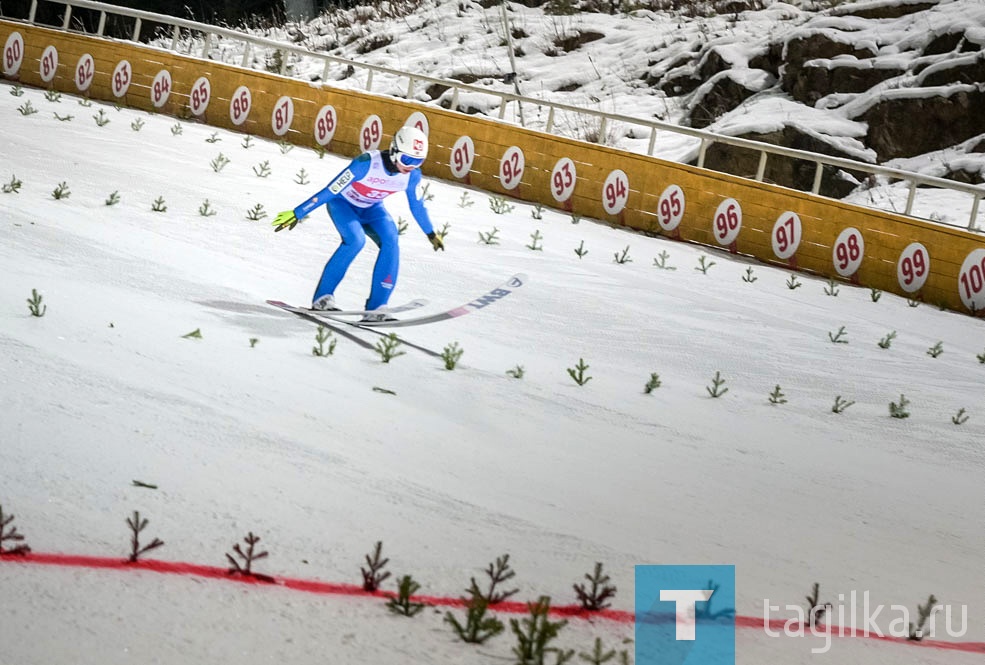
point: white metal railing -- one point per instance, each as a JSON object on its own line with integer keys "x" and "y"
{"x": 250, "y": 43}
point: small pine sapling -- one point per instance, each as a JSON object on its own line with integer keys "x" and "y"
{"x": 11, "y": 535}
{"x": 839, "y": 337}
{"x": 959, "y": 418}
{"x": 899, "y": 410}
{"x": 262, "y": 170}
{"x": 34, "y": 304}
{"x": 101, "y": 119}
{"x": 748, "y": 277}
{"x": 214, "y": 138}
{"x": 516, "y": 372}
{"x": 912, "y": 302}
{"x": 622, "y": 257}
{"x": 285, "y": 147}
{"x": 715, "y": 389}
{"x": 61, "y": 191}
{"x": 401, "y": 226}
{"x": 385, "y": 391}
{"x": 137, "y": 525}
{"x": 426, "y": 194}
{"x": 704, "y": 264}
{"x": 575, "y": 218}
{"x": 936, "y": 350}
{"x": 301, "y": 177}
{"x": 451, "y": 355}
{"x": 444, "y": 231}
{"x": 373, "y": 573}
{"x": 177, "y": 129}
{"x": 85, "y": 102}
{"x": 661, "y": 261}
{"x": 792, "y": 282}
{"x": 137, "y": 125}
{"x": 387, "y": 348}
{"x": 53, "y": 96}
{"x": 578, "y": 372}
{"x": 498, "y": 571}
{"x": 321, "y": 337}
{"x": 596, "y": 595}
{"x": 247, "y": 142}
{"x": 923, "y": 612}
{"x": 219, "y": 162}
{"x": 841, "y": 404}
{"x": 815, "y": 608}
{"x": 887, "y": 341}
{"x": 402, "y": 603}
{"x": 195, "y": 334}
{"x": 253, "y": 342}
{"x": 580, "y": 250}
{"x": 489, "y": 238}
{"x": 256, "y": 213}
{"x": 535, "y": 239}
{"x": 206, "y": 209}
{"x": 537, "y": 212}
{"x": 113, "y": 199}
{"x": 478, "y": 627}
{"x": 465, "y": 201}
{"x": 535, "y": 633}
{"x": 652, "y": 383}
{"x": 17, "y": 91}
{"x": 598, "y": 655}
{"x": 499, "y": 205}
{"x": 63, "y": 118}
{"x": 12, "y": 187}
{"x": 777, "y": 396}
{"x": 875, "y": 294}
{"x": 158, "y": 205}
{"x": 248, "y": 558}
{"x": 27, "y": 108}
{"x": 320, "y": 151}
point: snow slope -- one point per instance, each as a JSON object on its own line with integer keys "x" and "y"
{"x": 457, "y": 467}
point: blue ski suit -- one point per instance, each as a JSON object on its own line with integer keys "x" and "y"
{"x": 355, "y": 203}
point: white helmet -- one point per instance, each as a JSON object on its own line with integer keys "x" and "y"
{"x": 408, "y": 148}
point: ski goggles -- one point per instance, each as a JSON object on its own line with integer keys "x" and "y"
{"x": 408, "y": 161}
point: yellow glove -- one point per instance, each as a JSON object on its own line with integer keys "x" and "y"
{"x": 436, "y": 241}
{"x": 285, "y": 220}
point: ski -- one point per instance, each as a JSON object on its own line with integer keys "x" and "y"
{"x": 423, "y": 349}
{"x": 500, "y": 292}
{"x": 413, "y": 304}
{"x": 334, "y": 326}
{"x": 340, "y": 326}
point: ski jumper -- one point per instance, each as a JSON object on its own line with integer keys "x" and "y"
{"x": 355, "y": 203}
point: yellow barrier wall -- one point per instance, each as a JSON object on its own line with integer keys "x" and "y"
{"x": 915, "y": 259}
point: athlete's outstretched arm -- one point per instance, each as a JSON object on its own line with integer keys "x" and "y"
{"x": 416, "y": 202}
{"x": 356, "y": 170}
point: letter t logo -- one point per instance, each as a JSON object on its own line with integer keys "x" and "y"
{"x": 684, "y": 600}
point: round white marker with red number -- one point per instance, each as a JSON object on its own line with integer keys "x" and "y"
{"x": 371, "y": 133}
{"x": 848, "y": 251}
{"x": 727, "y": 222}
{"x": 511, "y": 168}
{"x": 462, "y": 157}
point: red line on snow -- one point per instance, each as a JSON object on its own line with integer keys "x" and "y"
{"x": 341, "y": 589}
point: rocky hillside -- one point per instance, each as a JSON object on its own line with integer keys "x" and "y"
{"x": 911, "y": 75}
